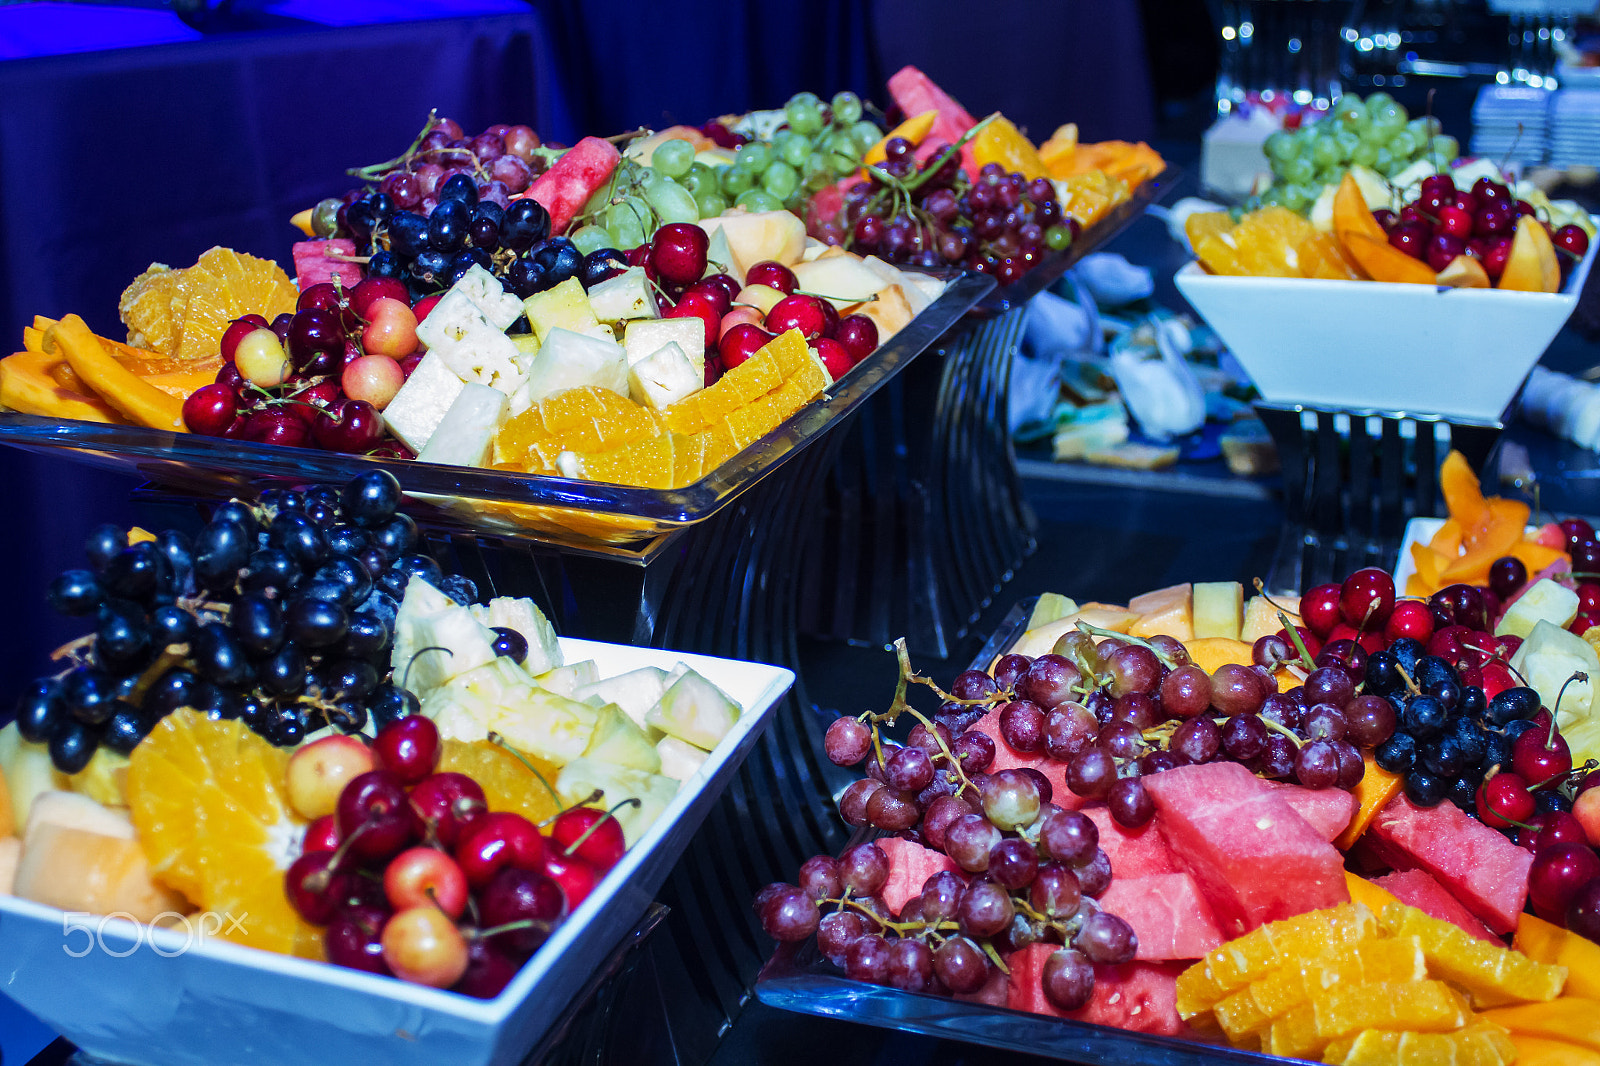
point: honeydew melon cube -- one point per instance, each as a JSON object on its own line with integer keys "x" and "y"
{"x": 547, "y": 725}
{"x": 626, "y": 296}
{"x": 564, "y": 306}
{"x": 680, "y": 760}
{"x": 429, "y": 618}
{"x": 580, "y": 777}
{"x": 1051, "y": 606}
{"x": 1547, "y": 601}
{"x": 719, "y": 257}
{"x": 1218, "y": 609}
{"x": 645, "y": 337}
{"x": 500, "y": 307}
{"x": 1548, "y": 657}
{"x": 421, "y": 404}
{"x": 567, "y": 679}
{"x": 457, "y": 332}
{"x": 567, "y": 360}
{"x": 663, "y": 378}
{"x": 523, "y": 615}
{"x": 841, "y": 279}
{"x": 617, "y": 739}
{"x": 694, "y": 710}
{"x": 1261, "y": 619}
{"x": 468, "y": 428}
{"x": 635, "y": 692}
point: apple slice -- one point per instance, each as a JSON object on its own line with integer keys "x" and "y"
{"x": 1532, "y": 265}
{"x": 1464, "y": 272}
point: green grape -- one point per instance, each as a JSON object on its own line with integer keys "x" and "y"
{"x": 1251, "y": 203}
{"x": 592, "y": 238}
{"x": 1364, "y": 154}
{"x": 711, "y": 202}
{"x": 806, "y": 98}
{"x": 794, "y": 149}
{"x": 673, "y": 158}
{"x": 736, "y": 180}
{"x": 781, "y": 180}
{"x": 865, "y": 135}
{"x": 648, "y": 176}
{"x": 694, "y": 181}
{"x": 758, "y": 200}
{"x": 1347, "y": 141}
{"x": 807, "y": 120}
{"x": 815, "y": 173}
{"x": 1280, "y": 146}
{"x": 1425, "y": 126}
{"x": 672, "y": 202}
{"x": 1444, "y": 149}
{"x": 1378, "y": 101}
{"x": 1324, "y": 151}
{"x": 1403, "y": 145}
{"x": 1385, "y": 163}
{"x": 752, "y": 157}
{"x": 598, "y": 199}
{"x": 1331, "y": 176}
{"x": 628, "y": 221}
{"x": 1349, "y": 112}
{"x": 1391, "y": 117}
{"x": 846, "y": 107}
{"x": 840, "y": 164}
{"x": 1299, "y": 169}
{"x": 1273, "y": 197}
{"x": 1297, "y": 197}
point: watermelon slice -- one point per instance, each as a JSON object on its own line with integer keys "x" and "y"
{"x": 1006, "y": 757}
{"x": 572, "y": 179}
{"x": 312, "y": 265}
{"x": 1137, "y": 852}
{"x": 1167, "y": 912}
{"x": 915, "y": 92}
{"x": 1138, "y": 996}
{"x": 910, "y": 866}
{"x": 1255, "y": 859}
{"x": 1416, "y": 889}
{"x": 1482, "y": 869}
{"x": 1327, "y": 810}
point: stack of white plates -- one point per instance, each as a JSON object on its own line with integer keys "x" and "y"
{"x": 1509, "y": 123}
{"x": 1575, "y": 128}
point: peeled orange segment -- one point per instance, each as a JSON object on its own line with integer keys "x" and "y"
{"x": 1491, "y": 974}
{"x": 207, "y": 801}
{"x": 1322, "y": 256}
{"x": 585, "y": 419}
{"x": 1001, "y": 142}
{"x": 146, "y": 308}
{"x": 1260, "y": 951}
{"x": 1264, "y": 244}
{"x": 647, "y": 464}
{"x": 1202, "y": 224}
{"x": 1532, "y": 265}
{"x": 507, "y": 784}
{"x": 1088, "y": 195}
{"x": 183, "y": 313}
{"x": 1420, "y": 1006}
{"x": 1475, "y": 1045}
{"x": 1254, "y": 1007}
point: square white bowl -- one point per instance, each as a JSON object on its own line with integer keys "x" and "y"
{"x": 1383, "y": 346}
{"x": 155, "y": 997}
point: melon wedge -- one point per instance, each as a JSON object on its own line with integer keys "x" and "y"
{"x": 572, "y": 179}
{"x": 1138, "y": 996}
{"x": 1168, "y": 913}
{"x": 910, "y": 866}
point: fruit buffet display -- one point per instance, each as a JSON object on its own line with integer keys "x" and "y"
{"x": 294, "y": 715}
{"x": 1302, "y": 828}
{"x": 632, "y": 310}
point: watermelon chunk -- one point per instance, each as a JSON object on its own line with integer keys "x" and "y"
{"x": 572, "y": 179}
{"x": 312, "y": 265}
{"x": 910, "y": 866}
{"x": 1006, "y": 757}
{"x": 1255, "y": 859}
{"x": 1327, "y": 810}
{"x": 1482, "y": 869}
{"x": 1169, "y": 914}
{"x": 1416, "y": 889}
{"x": 1137, "y": 996}
{"x": 1137, "y": 852}
{"x": 915, "y": 93}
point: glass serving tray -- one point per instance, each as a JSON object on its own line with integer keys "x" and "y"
{"x": 584, "y": 514}
{"x": 797, "y": 978}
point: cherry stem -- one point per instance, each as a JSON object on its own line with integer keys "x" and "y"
{"x": 1299, "y": 644}
{"x": 511, "y": 927}
{"x": 1410, "y": 684}
{"x": 1550, "y": 738}
{"x": 1496, "y": 657}
{"x": 1095, "y": 631}
{"x": 496, "y": 738}
{"x": 1585, "y": 768}
{"x": 825, "y": 296}
{"x": 631, "y": 801}
{"x": 405, "y": 679}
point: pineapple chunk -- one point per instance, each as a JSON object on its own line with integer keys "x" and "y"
{"x": 581, "y": 777}
{"x": 618, "y": 740}
{"x": 566, "y": 306}
{"x": 694, "y": 710}
{"x": 1548, "y": 657}
{"x": 1051, "y": 606}
{"x": 680, "y": 760}
{"x": 1547, "y": 601}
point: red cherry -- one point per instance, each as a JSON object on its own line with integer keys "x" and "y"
{"x": 369, "y": 289}
{"x": 1556, "y": 876}
{"x": 858, "y": 334}
{"x": 373, "y": 810}
{"x": 1572, "y": 239}
{"x": 1538, "y": 755}
{"x": 236, "y": 333}
{"x": 1410, "y": 618}
{"x": 408, "y": 748}
{"x": 1312, "y": 642}
{"x": 834, "y": 357}
{"x": 424, "y": 307}
{"x": 1319, "y": 609}
{"x": 1467, "y": 202}
{"x": 490, "y": 967}
{"x": 575, "y": 877}
{"x": 774, "y": 274}
{"x": 1503, "y": 799}
{"x": 409, "y": 363}
{"x": 310, "y": 400}
{"x": 353, "y": 427}
{"x": 1442, "y": 250}
{"x": 1495, "y": 678}
{"x": 496, "y": 841}
{"x": 1495, "y": 256}
{"x": 1387, "y": 219}
{"x": 316, "y": 337}
{"x": 1578, "y": 531}
{"x": 1367, "y": 597}
{"x": 1550, "y": 828}
{"x": 447, "y": 804}
{"x": 714, "y": 370}
{"x": 714, "y": 292}
{"x": 604, "y": 845}
{"x": 703, "y": 307}
{"x": 1411, "y": 238}
{"x": 728, "y": 285}
{"x": 276, "y": 426}
{"x": 322, "y": 835}
{"x": 1589, "y": 596}
{"x": 521, "y": 896}
{"x": 1455, "y": 222}
{"x": 1583, "y": 622}
{"x": 798, "y": 312}
{"x": 321, "y": 297}
{"x": 1488, "y": 191}
{"x": 315, "y": 887}
{"x": 678, "y": 252}
{"x": 422, "y": 875}
{"x": 211, "y": 409}
{"x": 740, "y": 343}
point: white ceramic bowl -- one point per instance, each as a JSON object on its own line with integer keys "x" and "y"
{"x": 1383, "y": 346}
{"x": 151, "y": 997}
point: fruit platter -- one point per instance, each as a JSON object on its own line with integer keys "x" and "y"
{"x": 1208, "y": 826}
{"x": 298, "y": 792}
{"x": 598, "y": 343}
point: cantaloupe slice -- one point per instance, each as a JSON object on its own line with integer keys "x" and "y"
{"x": 1462, "y": 493}
{"x": 64, "y": 864}
{"x": 1532, "y": 265}
{"x": 10, "y": 856}
{"x": 1463, "y": 272}
{"x": 1169, "y": 611}
{"x": 1383, "y": 262}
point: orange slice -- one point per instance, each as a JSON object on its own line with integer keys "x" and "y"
{"x": 1322, "y": 256}
{"x": 507, "y": 784}
{"x": 183, "y": 313}
{"x": 1491, "y": 974}
{"x": 1254, "y": 1007}
{"x": 1419, "y": 1006}
{"x": 648, "y": 464}
{"x": 1476, "y": 1045}
{"x": 1260, "y": 951}
{"x": 1265, "y": 243}
{"x": 1203, "y": 224}
{"x": 206, "y": 798}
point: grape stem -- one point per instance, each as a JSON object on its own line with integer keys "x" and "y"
{"x": 1410, "y": 684}
{"x": 1299, "y": 644}
{"x": 905, "y": 187}
{"x": 994, "y": 957}
{"x": 1095, "y": 631}
{"x": 1279, "y": 727}
{"x": 374, "y": 171}
{"x": 900, "y": 928}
